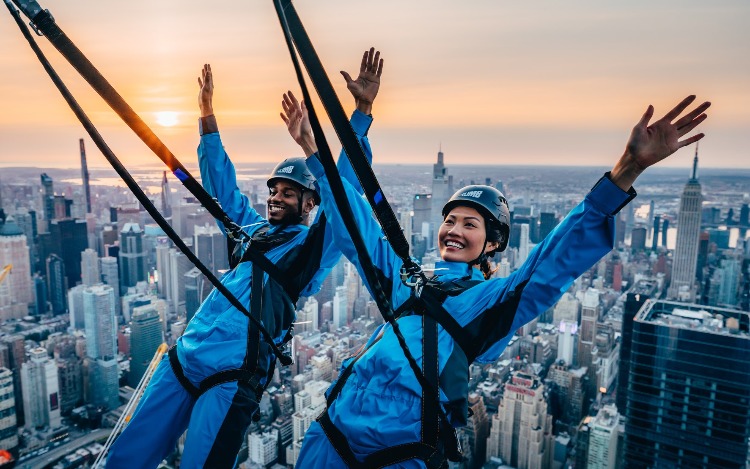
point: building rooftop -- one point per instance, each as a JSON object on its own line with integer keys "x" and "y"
{"x": 708, "y": 319}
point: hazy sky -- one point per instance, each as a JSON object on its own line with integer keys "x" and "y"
{"x": 493, "y": 81}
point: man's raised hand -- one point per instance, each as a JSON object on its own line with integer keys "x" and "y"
{"x": 365, "y": 87}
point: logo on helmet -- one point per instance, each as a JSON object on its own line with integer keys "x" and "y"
{"x": 475, "y": 194}
{"x": 285, "y": 170}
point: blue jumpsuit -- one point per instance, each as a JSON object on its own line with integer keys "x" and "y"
{"x": 216, "y": 339}
{"x": 379, "y": 406}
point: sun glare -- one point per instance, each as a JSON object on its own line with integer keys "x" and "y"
{"x": 166, "y": 118}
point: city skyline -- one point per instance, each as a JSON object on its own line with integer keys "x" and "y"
{"x": 494, "y": 84}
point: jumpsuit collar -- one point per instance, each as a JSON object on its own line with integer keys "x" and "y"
{"x": 457, "y": 270}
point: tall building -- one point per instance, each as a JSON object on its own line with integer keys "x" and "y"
{"x": 572, "y": 390}
{"x": 340, "y": 307}
{"x": 75, "y": 307}
{"x": 566, "y": 341}
{"x": 587, "y": 331}
{"x": 8, "y": 422}
{"x": 16, "y": 291}
{"x": 166, "y": 197}
{"x": 145, "y": 337}
{"x": 90, "y": 274}
{"x": 85, "y": 176}
{"x": 635, "y": 298}
{"x": 211, "y": 247}
{"x": 132, "y": 256}
{"x": 111, "y": 276}
{"x": 421, "y": 226}
{"x": 67, "y": 239}
{"x": 48, "y": 199}
{"x": 194, "y": 281}
{"x": 603, "y": 438}
{"x": 566, "y": 309}
{"x": 15, "y": 357}
{"x": 263, "y": 447}
{"x": 527, "y": 440}
{"x": 70, "y": 379}
{"x": 442, "y": 190}
{"x": 57, "y": 283}
{"x": 40, "y": 390}
{"x": 687, "y": 402}
{"x": 477, "y": 430}
{"x": 101, "y": 345}
{"x": 685, "y": 261}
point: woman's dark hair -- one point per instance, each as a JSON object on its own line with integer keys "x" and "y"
{"x": 494, "y": 234}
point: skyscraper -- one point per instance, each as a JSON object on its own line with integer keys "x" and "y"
{"x": 527, "y": 440}
{"x": 111, "y": 276}
{"x": 166, "y": 197}
{"x": 132, "y": 255}
{"x": 85, "y": 176}
{"x": 603, "y": 433}
{"x": 587, "y": 331}
{"x": 635, "y": 298}
{"x": 688, "y": 233}
{"x": 687, "y": 399}
{"x": 211, "y": 248}
{"x": 67, "y": 239}
{"x": 101, "y": 344}
{"x": 8, "y": 422}
{"x": 90, "y": 268}
{"x": 48, "y": 199}
{"x": 442, "y": 189}
{"x": 145, "y": 337}
{"x": 16, "y": 292}
{"x": 40, "y": 390}
{"x": 57, "y": 283}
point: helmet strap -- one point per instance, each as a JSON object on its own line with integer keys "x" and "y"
{"x": 482, "y": 256}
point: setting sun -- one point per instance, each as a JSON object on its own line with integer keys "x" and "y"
{"x": 167, "y": 118}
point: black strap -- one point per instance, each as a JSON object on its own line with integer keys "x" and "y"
{"x": 227, "y": 376}
{"x": 174, "y": 362}
{"x": 372, "y": 190}
{"x": 256, "y": 307}
{"x": 435, "y": 310}
{"x": 133, "y": 186}
{"x": 431, "y": 395}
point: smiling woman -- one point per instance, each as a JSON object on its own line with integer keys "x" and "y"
{"x": 166, "y": 118}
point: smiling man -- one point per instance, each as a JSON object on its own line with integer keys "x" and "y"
{"x": 192, "y": 389}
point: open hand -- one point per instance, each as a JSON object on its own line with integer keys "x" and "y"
{"x": 298, "y": 123}
{"x": 365, "y": 87}
{"x": 649, "y": 144}
{"x": 206, "y": 91}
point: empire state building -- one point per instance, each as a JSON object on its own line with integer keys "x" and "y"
{"x": 688, "y": 237}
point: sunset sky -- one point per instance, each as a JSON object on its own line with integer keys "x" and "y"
{"x": 492, "y": 81}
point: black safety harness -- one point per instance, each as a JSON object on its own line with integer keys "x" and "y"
{"x": 255, "y": 247}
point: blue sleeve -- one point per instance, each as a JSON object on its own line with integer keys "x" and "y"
{"x": 331, "y": 253}
{"x": 220, "y": 180}
{"x": 576, "y": 244}
{"x": 382, "y": 255}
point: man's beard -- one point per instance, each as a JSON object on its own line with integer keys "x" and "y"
{"x": 291, "y": 217}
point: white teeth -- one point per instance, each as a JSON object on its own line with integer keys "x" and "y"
{"x": 275, "y": 208}
{"x": 454, "y": 244}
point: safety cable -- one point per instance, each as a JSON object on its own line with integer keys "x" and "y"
{"x": 137, "y": 191}
{"x": 341, "y": 125}
{"x": 337, "y": 187}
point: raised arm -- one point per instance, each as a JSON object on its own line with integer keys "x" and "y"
{"x": 587, "y": 233}
{"x": 296, "y": 119}
{"x": 217, "y": 171}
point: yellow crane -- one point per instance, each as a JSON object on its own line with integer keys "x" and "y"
{"x": 4, "y": 273}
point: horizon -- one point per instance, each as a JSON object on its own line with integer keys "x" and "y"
{"x": 494, "y": 83}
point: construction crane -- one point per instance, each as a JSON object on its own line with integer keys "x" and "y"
{"x": 132, "y": 404}
{"x": 4, "y": 273}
